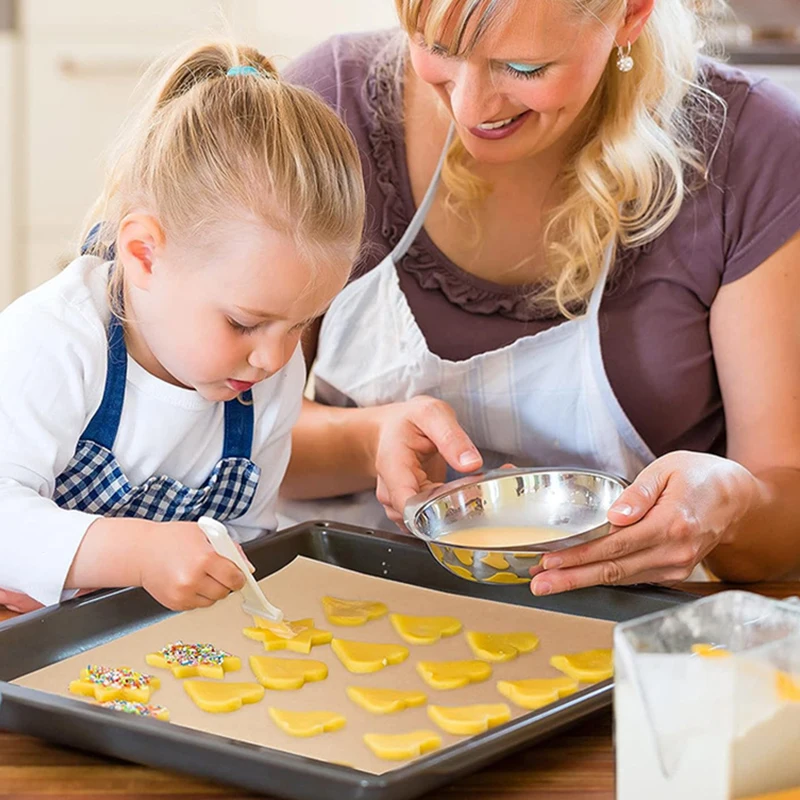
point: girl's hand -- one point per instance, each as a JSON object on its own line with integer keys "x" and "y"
{"x": 663, "y": 525}
{"x": 415, "y": 442}
{"x": 182, "y": 570}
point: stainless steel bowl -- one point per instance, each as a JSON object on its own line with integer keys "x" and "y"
{"x": 574, "y": 502}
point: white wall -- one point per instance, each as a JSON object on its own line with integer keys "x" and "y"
{"x": 80, "y": 60}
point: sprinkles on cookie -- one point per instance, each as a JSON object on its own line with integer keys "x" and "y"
{"x": 107, "y": 684}
{"x": 189, "y": 660}
{"x": 138, "y": 709}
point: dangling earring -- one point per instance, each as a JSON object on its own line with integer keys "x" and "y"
{"x": 624, "y": 60}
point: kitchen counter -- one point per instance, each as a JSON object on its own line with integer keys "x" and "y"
{"x": 577, "y": 765}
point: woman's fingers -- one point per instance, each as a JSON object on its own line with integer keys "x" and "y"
{"x": 640, "y": 496}
{"x": 437, "y": 421}
{"x": 645, "y": 566}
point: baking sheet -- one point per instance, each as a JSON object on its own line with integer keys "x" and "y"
{"x": 297, "y": 589}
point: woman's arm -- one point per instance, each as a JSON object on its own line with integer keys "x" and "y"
{"x": 755, "y": 329}
{"x": 740, "y": 515}
{"x": 339, "y": 451}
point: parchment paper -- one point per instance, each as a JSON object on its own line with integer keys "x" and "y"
{"x": 297, "y": 589}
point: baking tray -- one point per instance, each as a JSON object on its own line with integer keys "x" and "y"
{"x": 44, "y": 637}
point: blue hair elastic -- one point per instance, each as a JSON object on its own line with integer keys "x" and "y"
{"x": 248, "y": 70}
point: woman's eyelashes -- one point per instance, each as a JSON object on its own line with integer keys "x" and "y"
{"x": 524, "y": 71}
{"x": 514, "y": 68}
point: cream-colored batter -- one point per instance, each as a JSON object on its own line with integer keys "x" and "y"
{"x": 502, "y": 537}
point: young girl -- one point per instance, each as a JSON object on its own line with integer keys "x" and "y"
{"x": 138, "y": 394}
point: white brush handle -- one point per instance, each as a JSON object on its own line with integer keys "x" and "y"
{"x": 217, "y": 534}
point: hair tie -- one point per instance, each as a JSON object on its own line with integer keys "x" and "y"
{"x": 243, "y": 70}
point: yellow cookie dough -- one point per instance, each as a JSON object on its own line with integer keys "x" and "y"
{"x": 507, "y": 577}
{"x": 352, "y": 612}
{"x": 399, "y": 747}
{"x": 114, "y": 683}
{"x": 453, "y": 674}
{"x": 495, "y": 560}
{"x": 286, "y": 673}
{"x": 304, "y": 637}
{"x": 590, "y": 666}
{"x": 788, "y": 687}
{"x": 707, "y": 650}
{"x": 464, "y": 556}
{"x": 307, "y": 723}
{"x": 360, "y": 657}
{"x": 220, "y": 698}
{"x": 466, "y": 720}
{"x": 190, "y": 660}
{"x": 385, "y": 701}
{"x": 501, "y": 646}
{"x": 537, "y": 692}
{"x": 461, "y": 572}
{"x": 283, "y": 628}
{"x": 424, "y": 630}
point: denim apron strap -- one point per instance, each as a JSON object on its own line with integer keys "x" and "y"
{"x": 239, "y": 427}
{"x": 102, "y": 429}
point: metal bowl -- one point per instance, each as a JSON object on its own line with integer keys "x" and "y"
{"x": 573, "y": 502}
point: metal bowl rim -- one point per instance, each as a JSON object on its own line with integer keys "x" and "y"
{"x": 415, "y": 505}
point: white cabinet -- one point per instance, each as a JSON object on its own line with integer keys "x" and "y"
{"x": 80, "y": 63}
{"x": 9, "y": 268}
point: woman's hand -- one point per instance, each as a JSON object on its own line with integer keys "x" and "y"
{"x": 182, "y": 570}
{"x": 673, "y": 515}
{"x": 415, "y": 442}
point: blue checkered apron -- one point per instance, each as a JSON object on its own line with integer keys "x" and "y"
{"x": 94, "y": 482}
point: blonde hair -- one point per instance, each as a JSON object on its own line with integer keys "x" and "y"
{"x": 210, "y": 146}
{"x": 625, "y": 183}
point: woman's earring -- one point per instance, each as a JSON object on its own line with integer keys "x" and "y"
{"x": 624, "y": 60}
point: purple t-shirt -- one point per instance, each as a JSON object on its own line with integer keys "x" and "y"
{"x": 654, "y": 318}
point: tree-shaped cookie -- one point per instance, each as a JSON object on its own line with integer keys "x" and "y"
{"x": 305, "y": 636}
{"x": 114, "y": 683}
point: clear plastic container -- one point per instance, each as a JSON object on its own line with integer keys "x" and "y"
{"x": 707, "y": 700}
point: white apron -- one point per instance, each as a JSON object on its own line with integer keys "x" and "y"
{"x": 544, "y": 400}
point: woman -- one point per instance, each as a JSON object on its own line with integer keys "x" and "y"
{"x": 604, "y": 272}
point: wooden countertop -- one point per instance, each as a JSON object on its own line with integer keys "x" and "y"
{"x": 577, "y": 765}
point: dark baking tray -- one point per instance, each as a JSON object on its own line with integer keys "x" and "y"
{"x": 44, "y": 637}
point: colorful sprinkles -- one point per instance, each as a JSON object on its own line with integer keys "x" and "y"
{"x": 190, "y": 655}
{"x": 139, "y": 709}
{"x": 123, "y": 677}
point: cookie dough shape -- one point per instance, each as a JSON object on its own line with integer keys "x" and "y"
{"x": 307, "y": 723}
{"x": 424, "y": 630}
{"x": 590, "y": 666}
{"x": 507, "y": 577}
{"x": 385, "y": 701}
{"x": 501, "y": 646}
{"x": 453, "y": 674}
{"x": 138, "y": 709}
{"x": 286, "y": 673}
{"x": 464, "y": 556}
{"x": 193, "y": 660}
{"x": 352, "y": 612}
{"x": 106, "y": 684}
{"x": 495, "y": 560}
{"x": 361, "y": 657}
{"x": 304, "y": 637}
{"x": 467, "y": 720}
{"x": 537, "y": 692}
{"x": 400, "y": 747}
{"x": 706, "y": 650}
{"x": 220, "y": 698}
{"x": 462, "y": 572}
